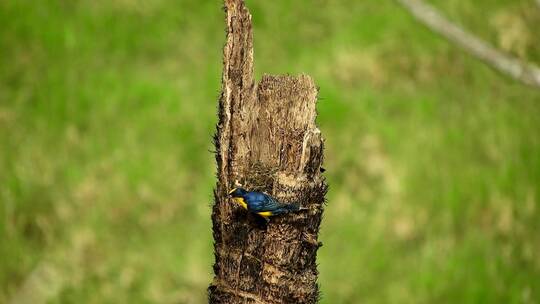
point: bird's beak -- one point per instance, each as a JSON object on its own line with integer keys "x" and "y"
{"x": 231, "y": 192}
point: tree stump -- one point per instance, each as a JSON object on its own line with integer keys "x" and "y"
{"x": 266, "y": 140}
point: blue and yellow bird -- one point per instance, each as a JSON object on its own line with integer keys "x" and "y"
{"x": 261, "y": 203}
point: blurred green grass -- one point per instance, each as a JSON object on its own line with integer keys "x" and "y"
{"x": 107, "y": 110}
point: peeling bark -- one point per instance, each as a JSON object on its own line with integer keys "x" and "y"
{"x": 266, "y": 140}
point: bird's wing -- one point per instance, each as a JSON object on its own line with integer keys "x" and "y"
{"x": 271, "y": 204}
{"x": 254, "y": 201}
{"x": 260, "y": 202}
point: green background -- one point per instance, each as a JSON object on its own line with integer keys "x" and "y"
{"x": 107, "y": 109}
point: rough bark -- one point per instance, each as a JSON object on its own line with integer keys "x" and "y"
{"x": 266, "y": 140}
{"x": 527, "y": 73}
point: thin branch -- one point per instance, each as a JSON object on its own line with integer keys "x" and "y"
{"x": 525, "y": 72}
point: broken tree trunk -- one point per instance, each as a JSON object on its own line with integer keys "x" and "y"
{"x": 267, "y": 141}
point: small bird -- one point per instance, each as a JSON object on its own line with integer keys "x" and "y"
{"x": 261, "y": 204}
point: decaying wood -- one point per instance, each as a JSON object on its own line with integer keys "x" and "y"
{"x": 525, "y": 72}
{"x": 266, "y": 140}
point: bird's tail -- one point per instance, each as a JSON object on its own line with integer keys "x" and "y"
{"x": 294, "y": 207}
{"x": 291, "y": 207}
